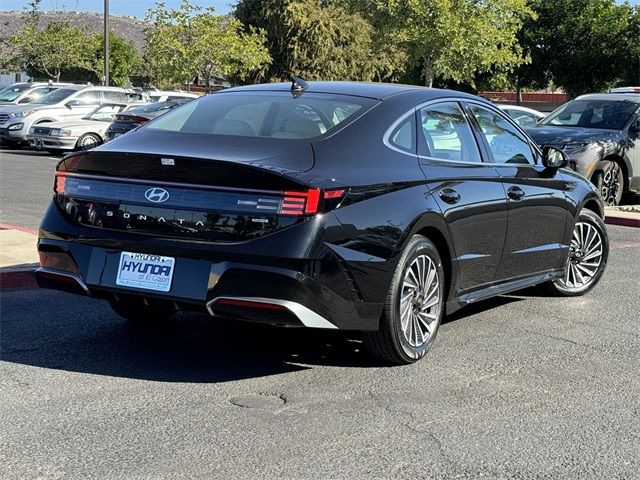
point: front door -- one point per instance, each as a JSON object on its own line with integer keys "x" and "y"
{"x": 538, "y": 208}
{"x": 468, "y": 191}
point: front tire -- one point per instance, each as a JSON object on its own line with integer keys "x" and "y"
{"x": 608, "y": 179}
{"x": 414, "y": 306}
{"x": 87, "y": 142}
{"x": 588, "y": 254}
{"x": 141, "y": 314}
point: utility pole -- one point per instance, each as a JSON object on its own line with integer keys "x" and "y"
{"x": 106, "y": 43}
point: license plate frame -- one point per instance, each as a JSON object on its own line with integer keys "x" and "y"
{"x": 145, "y": 271}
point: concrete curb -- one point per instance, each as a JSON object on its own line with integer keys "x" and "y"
{"x": 624, "y": 220}
{"x": 18, "y": 277}
{"x": 6, "y": 226}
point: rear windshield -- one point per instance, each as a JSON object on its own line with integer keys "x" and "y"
{"x": 264, "y": 114}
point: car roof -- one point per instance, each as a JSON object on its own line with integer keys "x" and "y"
{"x": 612, "y": 97}
{"x": 378, "y": 91}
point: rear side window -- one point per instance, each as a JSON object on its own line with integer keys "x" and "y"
{"x": 403, "y": 136}
{"x": 264, "y": 114}
{"x": 91, "y": 97}
{"x": 111, "y": 96}
{"x": 447, "y": 134}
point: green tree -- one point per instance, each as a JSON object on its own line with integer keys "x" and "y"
{"x": 52, "y": 49}
{"x": 579, "y": 45}
{"x": 452, "y": 39}
{"x": 631, "y": 70}
{"x": 319, "y": 39}
{"x": 124, "y": 60}
{"x": 190, "y": 42}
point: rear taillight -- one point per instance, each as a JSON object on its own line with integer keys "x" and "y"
{"x": 300, "y": 203}
{"x": 309, "y": 202}
{"x": 60, "y": 182}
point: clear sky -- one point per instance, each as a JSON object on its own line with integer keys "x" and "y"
{"x": 136, "y": 8}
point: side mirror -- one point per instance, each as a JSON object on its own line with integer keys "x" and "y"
{"x": 635, "y": 125}
{"x": 72, "y": 103}
{"x": 554, "y": 158}
{"x": 26, "y": 100}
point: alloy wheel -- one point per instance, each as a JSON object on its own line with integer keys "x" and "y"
{"x": 585, "y": 256}
{"x": 420, "y": 301}
{"x": 611, "y": 186}
{"x": 88, "y": 142}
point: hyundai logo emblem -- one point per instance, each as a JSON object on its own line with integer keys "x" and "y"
{"x": 156, "y": 195}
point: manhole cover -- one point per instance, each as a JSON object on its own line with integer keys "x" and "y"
{"x": 259, "y": 400}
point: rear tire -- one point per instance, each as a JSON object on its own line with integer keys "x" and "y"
{"x": 141, "y": 314}
{"x": 414, "y": 306}
{"x": 609, "y": 180}
{"x": 587, "y": 259}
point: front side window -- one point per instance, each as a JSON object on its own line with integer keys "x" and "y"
{"x": 447, "y": 134}
{"x": 506, "y": 143}
{"x": 264, "y": 114}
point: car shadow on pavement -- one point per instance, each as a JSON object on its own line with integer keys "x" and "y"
{"x": 77, "y": 334}
{"x": 80, "y": 335}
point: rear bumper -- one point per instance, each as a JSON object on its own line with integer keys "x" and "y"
{"x": 309, "y": 285}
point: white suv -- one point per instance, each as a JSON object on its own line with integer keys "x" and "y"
{"x": 29, "y": 92}
{"x": 66, "y": 103}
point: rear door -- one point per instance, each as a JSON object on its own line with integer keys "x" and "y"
{"x": 536, "y": 197}
{"x": 468, "y": 191}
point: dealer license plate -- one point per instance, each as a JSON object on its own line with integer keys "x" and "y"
{"x": 148, "y": 272}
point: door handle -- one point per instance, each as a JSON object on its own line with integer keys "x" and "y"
{"x": 515, "y": 193}
{"x": 449, "y": 195}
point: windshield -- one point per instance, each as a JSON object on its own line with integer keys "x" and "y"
{"x": 57, "y": 96}
{"x": 264, "y": 114}
{"x": 12, "y": 92}
{"x": 608, "y": 114}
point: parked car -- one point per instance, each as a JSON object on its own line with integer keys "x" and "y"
{"x": 66, "y": 103}
{"x": 601, "y": 135}
{"x": 83, "y": 134}
{"x": 625, "y": 90}
{"x": 523, "y": 116}
{"x": 325, "y": 205}
{"x": 168, "y": 95}
{"x": 20, "y": 93}
{"x": 126, "y": 121}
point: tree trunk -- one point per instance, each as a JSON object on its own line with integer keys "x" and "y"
{"x": 428, "y": 71}
{"x": 518, "y": 92}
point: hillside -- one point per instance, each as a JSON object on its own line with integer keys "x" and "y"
{"x": 130, "y": 28}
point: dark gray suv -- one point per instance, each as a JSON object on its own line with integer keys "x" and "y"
{"x": 600, "y": 133}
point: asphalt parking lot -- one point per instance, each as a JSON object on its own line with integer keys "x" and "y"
{"x": 521, "y": 386}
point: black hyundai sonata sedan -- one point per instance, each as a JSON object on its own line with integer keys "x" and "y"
{"x": 367, "y": 207}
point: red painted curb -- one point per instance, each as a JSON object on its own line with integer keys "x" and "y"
{"x": 6, "y": 226}
{"x": 23, "y": 278}
{"x": 622, "y": 221}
